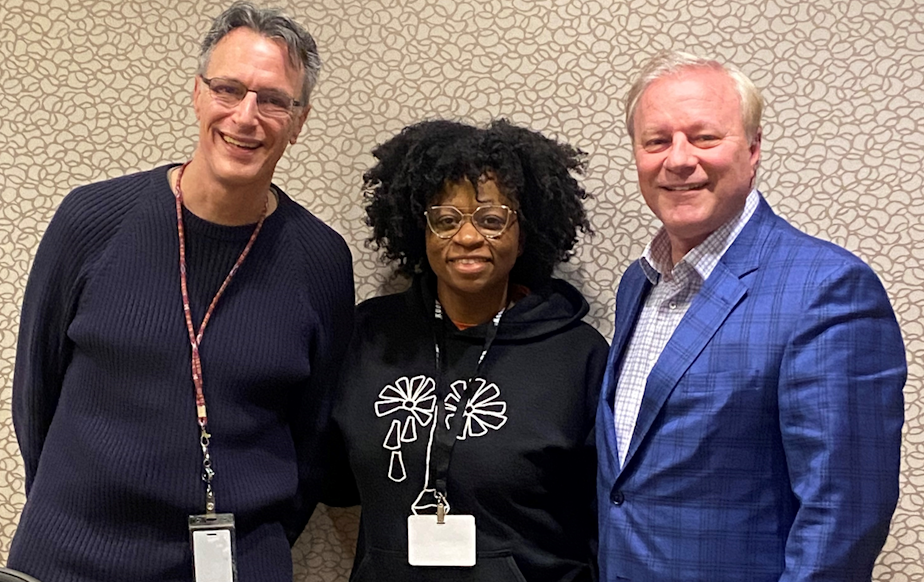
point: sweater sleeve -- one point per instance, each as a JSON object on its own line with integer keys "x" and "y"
{"x": 76, "y": 238}
{"x": 331, "y": 295}
{"x": 43, "y": 349}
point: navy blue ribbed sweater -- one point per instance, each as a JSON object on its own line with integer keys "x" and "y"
{"x": 103, "y": 401}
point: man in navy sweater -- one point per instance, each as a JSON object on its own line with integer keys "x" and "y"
{"x": 180, "y": 330}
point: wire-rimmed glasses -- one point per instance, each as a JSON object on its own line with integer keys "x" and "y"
{"x": 270, "y": 102}
{"x": 490, "y": 220}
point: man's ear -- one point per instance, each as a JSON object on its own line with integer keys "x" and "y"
{"x": 299, "y": 124}
{"x": 197, "y": 93}
{"x": 754, "y": 149}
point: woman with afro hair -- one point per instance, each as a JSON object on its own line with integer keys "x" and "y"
{"x": 466, "y": 404}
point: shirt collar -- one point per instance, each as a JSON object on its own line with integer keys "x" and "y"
{"x": 702, "y": 259}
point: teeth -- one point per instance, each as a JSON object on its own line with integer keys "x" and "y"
{"x": 470, "y": 261}
{"x": 684, "y": 188}
{"x": 233, "y": 141}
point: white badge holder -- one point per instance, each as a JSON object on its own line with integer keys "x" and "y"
{"x": 212, "y": 539}
{"x": 447, "y": 543}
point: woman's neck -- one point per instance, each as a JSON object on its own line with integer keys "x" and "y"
{"x": 471, "y": 308}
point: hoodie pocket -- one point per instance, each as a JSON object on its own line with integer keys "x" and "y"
{"x": 390, "y": 566}
{"x": 510, "y": 568}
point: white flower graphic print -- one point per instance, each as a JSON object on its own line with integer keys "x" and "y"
{"x": 411, "y": 404}
{"x": 485, "y": 409}
{"x": 414, "y": 401}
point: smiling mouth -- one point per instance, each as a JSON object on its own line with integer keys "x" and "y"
{"x": 685, "y": 187}
{"x": 240, "y": 144}
{"x": 469, "y": 260}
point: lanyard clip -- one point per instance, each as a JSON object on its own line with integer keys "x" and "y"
{"x": 209, "y": 500}
{"x": 440, "y": 509}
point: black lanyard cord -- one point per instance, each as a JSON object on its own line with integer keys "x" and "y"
{"x": 444, "y": 442}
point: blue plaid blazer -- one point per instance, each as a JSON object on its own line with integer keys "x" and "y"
{"x": 767, "y": 444}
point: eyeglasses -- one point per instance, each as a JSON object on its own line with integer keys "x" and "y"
{"x": 270, "y": 102}
{"x": 490, "y": 220}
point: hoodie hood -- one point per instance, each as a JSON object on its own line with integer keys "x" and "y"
{"x": 549, "y": 308}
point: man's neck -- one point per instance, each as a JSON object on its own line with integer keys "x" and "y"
{"x": 216, "y": 203}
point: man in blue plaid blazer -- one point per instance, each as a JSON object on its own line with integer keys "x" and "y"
{"x": 751, "y": 414}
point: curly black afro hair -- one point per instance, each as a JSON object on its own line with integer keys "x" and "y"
{"x": 533, "y": 171}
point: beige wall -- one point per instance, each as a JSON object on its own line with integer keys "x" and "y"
{"x": 90, "y": 90}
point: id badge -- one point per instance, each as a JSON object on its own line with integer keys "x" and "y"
{"x": 212, "y": 539}
{"x": 451, "y": 543}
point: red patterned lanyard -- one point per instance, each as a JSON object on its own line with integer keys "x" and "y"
{"x": 195, "y": 339}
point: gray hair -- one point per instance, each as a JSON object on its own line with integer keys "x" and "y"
{"x": 667, "y": 63}
{"x": 273, "y": 24}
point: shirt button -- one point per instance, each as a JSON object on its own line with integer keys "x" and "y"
{"x": 672, "y": 305}
{"x": 617, "y": 497}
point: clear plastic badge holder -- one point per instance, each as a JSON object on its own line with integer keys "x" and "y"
{"x": 213, "y": 549}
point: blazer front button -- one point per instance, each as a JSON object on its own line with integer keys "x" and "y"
{"x": 617, "y": 497}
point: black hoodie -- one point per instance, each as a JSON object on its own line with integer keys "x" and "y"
{"x": 525, "y": 463}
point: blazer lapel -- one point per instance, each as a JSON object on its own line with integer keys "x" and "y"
{"x": 630, "y": 298}
{"x": 711, "y": 306}
{"x": 721, "y": 292}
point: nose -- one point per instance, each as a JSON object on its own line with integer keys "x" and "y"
{"x": 681, "y": 155}
{"x": 468, "y": 235}
{"x": 245, "y": 113}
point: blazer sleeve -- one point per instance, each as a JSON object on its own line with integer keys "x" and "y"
{"x": 841, "y": 413}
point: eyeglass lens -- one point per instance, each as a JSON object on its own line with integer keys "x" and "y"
{"x": 229, "y": 93}
{"x": 490, "y": 221}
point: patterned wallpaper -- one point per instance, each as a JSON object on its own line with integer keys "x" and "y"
{"x": 94, "y": 89}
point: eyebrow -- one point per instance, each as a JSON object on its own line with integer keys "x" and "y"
{"x": 257, "y": 89}
{"x": 656, "y": 131}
